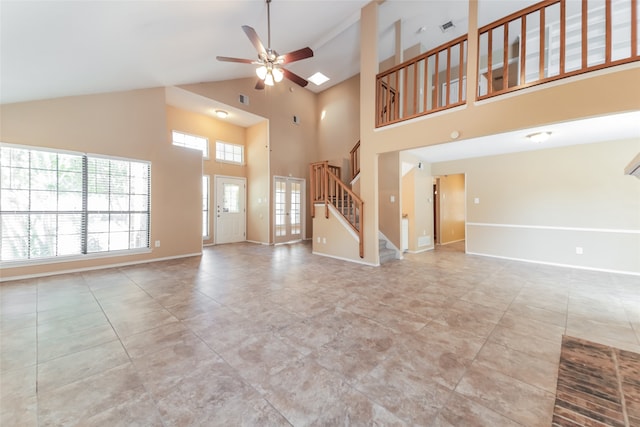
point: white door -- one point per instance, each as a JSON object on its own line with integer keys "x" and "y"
{"x": 231, "y": 216}
{"x": 289, "y": 209}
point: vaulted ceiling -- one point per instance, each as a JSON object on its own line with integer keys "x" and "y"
{"x": 56, "y": 48}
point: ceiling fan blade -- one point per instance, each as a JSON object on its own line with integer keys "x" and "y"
{"x": 255, "y": 40}
{"x": 227, "y": 59}
{"x": 295, "y": 78}
{"x": 297, "y": 55}
{"x": 259, "y": 84}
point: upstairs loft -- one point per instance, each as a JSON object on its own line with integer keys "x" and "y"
{"x": 548, "y": 41}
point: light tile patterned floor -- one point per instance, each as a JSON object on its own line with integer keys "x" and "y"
{"x": 269, "y": 336}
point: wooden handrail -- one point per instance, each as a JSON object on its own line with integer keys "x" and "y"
{"x": 538, "y": 52}
{"x": 401, "y": 91}
{"x": 355, "y": 160}
{"x": 544, "y": 42}
{"x": 328, "y": 188}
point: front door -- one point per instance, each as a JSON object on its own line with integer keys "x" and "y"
{"x": 289, "y": 209}
{"x": 231, "y": 216}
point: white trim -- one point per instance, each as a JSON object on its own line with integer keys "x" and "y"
{"x": 97, "y": 267}
{"x": 303, "y": 207}
{"x": 546, "y": 227}
{"x": 215, "y": 198}
{"x": 259, "y": 243}
{"x": 421, "y": 250}
{"x": 345, "y": 259}
{"x": 579, "y": 267}
{"x": 74, "y": 258}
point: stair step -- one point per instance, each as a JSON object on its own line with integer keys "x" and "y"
{"x": 387, "y": 255}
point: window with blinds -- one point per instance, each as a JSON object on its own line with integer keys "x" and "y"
{"x": 60, "y": 204}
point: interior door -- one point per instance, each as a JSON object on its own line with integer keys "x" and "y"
{"x": 231, "y": 215}
{"x": 289, "y": 209}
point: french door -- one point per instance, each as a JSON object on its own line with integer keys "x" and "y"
{"x": 231, "y": 216}
{"x": 288, "y": 209}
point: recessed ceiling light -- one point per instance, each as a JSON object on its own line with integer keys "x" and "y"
{"x": 222, "y": 114}
{"x": 318, "y": 78}
{"x": 539, "y": 136}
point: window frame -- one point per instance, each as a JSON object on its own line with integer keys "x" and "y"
{"x": 205, "y": 152}
{"x": 232, "y": 145}
{"x": 206, "y": 211}
{"x": 83, "y": 228}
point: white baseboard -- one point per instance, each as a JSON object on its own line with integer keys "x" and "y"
{"x": 346, "y": 259}
{"x": 578, "y": 267}
{"x": 97, "y": 267}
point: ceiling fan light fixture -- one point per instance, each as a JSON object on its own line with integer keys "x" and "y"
{"x": 261, "y": 72}
{"x": 278, "y": 74}
{"x": 268, "y": 79}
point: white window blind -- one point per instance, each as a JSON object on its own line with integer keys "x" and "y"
{"x": 57, "y": 204}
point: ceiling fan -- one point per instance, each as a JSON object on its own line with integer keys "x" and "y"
{"x": 270, "y": 63}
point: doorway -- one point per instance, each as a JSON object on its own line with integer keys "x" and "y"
{"x": 449, "y": 216}
{"x": 231, "y": 215}
{"x": 288, "y": 209}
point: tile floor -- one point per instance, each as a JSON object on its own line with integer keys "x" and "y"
{"x": 270, "y": 336}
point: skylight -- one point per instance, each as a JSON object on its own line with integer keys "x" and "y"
{"x": 318, "y": 78}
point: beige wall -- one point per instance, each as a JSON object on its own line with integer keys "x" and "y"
{"x": 540, "y": 205}
{"x": 258, "y": 196}
{"x": 332, "y": 236}
{"x": 451, "y": 196}
{"x": 292, "y": 146}
{"x": 598, "y": 93}
{"x": 126, "y": 124}
{"x": 214, "y": 130}
{"x": 417, "y": 203}
{"x": 390, "y": 203}
{"x": 339, "y": 131}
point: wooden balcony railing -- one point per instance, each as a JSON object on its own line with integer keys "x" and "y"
{"x": 355, "y": 160}
{"x": 547, "y": 41}
{"x": 554, "y": 39}
{"x": 328, "y": 188}
{"x": 433, "y": 81}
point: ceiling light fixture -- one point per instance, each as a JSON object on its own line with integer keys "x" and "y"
{"x": 539, "y": 137}
{"x": 221, "y": 114}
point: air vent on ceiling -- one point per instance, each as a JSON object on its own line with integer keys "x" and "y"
{"x": 447, "y": 26}
{"x": 244, "y": 99}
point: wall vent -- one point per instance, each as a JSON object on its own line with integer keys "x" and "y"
{"x": 447, "y": 26}
{"x": 244, "y": 99}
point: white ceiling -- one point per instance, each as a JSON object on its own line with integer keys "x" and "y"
{"x": 597, "y": 129}
{"x": 55, "y": 48}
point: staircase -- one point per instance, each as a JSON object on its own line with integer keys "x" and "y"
{"x": 386, "y": 254}
{"x": 328, "y": 188}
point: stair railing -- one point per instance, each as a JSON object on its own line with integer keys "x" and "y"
{"x": 328, "y": 188}
{"x": 355, "y": 160}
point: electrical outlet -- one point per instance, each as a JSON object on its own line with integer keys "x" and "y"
{"x": 324, "y": 240}
{"x": 157, "y": 243}
{"x": 579, "y": 250}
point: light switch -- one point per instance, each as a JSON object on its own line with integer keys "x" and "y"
{"x": 476, "y": 200}
{"x": 392, "y": 199}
